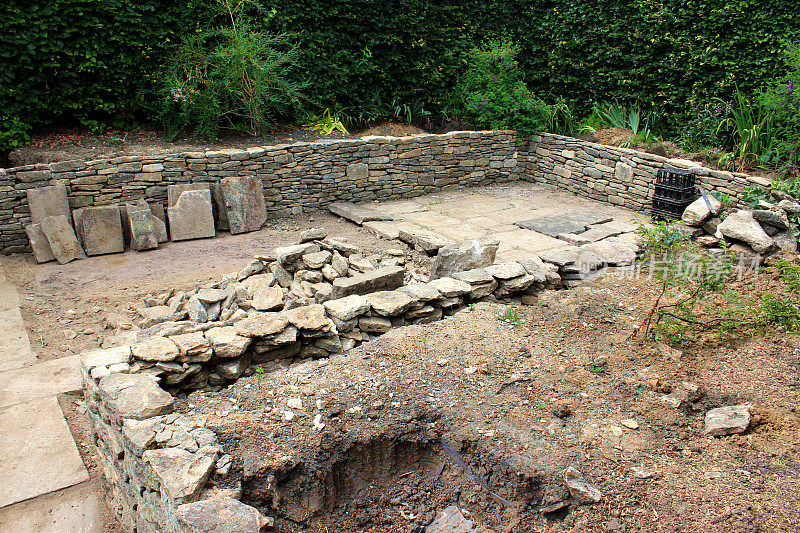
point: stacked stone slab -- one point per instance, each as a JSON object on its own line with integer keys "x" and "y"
{"x": 296, "y": 177}
{"x": 159, "y": 467}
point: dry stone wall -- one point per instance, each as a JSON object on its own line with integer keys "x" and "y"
{"x": 296, "y": 177}
{"x": 619, "y": 176}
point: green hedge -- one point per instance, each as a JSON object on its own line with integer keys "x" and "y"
{"x": 99, "y": 59}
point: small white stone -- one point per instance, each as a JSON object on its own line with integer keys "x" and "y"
{"x": 288, "y": 416}
{"x": 295, "y": 403}
{"x": 630, "y": 423}
{"x": 318, "y": 425}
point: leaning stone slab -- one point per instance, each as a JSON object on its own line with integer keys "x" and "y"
{"x": 554, "y": 225}
{"x": 220, "y": 515}
{"x": 159, "y": 221}
{"x": 357, "y": 213}
{"x": 141, "y": 227}
{"x": 423, "y": 240}
{"x": 191, "y": 217}
{"x": 381, "y": 279}
{"x": 135, "y": 396}
{"x": 174, "y": 191}
{"x": 699, "y": 211}
{"x": 61, "y": 237}
{"x": 181, "y": 474}
{"x": 465, "y": 255}
{"x": 727, "y": 420}
{"x": 244, "y": 203}
{"x": 41, "y": 248}
{"x": 48, "y": 201}
{"x": 101, "y": 230}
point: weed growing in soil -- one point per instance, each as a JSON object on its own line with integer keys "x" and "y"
{"x": 260, "y": 373}
{"x": 511, "y": 316}
{"x": 596, "y": 369}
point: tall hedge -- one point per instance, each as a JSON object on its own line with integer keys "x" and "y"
{"x": 67, "y": 59}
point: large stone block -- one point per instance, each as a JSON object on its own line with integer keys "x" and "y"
{"x": 381, "y": 279}
{"x": 159, "y": 221}
{"x": 465, "y": 255}
{"x": 175, "y": 191}
{"x": 191, "y": 217}
{"x": 141, "y": 227}
{"x": 357, "y": 213}
{"x": 100, "y": 229}
{"x": 244, "y": 203}
{"x": 41, "y": 248}
{"x": 48, "y": 202}
{"x": 61, "y": 237}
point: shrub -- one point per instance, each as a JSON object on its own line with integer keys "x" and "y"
{"x": 229, "y": 77}
{"x": 782, "y": 100}
{"x": 492, "y": 94}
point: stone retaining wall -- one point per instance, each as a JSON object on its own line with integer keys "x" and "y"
{"x": 618, "y": 176}
{"x": 296, "y": 177}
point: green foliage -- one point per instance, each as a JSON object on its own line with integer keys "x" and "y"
{"x": 512, "y": 316}
{"x": 231, "y": 77}
{"x": 492, "y": 94}
{"x": 726, "y": 204}
{"x": 782, "y": 101}
{"x": 751, "y": 128}
{"x": 791, "y": 186}
{"x": 325, "y": 123}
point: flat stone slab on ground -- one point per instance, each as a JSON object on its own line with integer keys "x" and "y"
{"x": 47, "y": 201}
{"x": 554, "y": 225}
{"x": 727, "y": 420}
{"x": 389, "y": 229}
{"x": 423, "y": 240}
{"x": 381, "y": 279}
{"x": 36, "y": 458}
{"x": 76, "y": 509}
{"x": 62, "y": 239}
{"x": 357, "y": 213}
{"x": 15, "y": 347}
{"x": 101, "y": 230}
{"x": 244, "y": 203}
{"x": 40, "y": 380}
{"x": 192, "y": 216}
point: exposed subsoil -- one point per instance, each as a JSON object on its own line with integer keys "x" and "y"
{"x": 67, "y": 144}
{"x": 518, "y": 405}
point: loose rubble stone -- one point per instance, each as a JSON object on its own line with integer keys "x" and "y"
{"x": 790, "y": 206}
{"x": 387, "y": 278}
{"x": 155, "y": 349}
{"x": 465, "y": 255}
{"x": 135, "y": 396}
{"x": 192, "y": 216}
{"x": 423, "y": 292}
{"x": 611, "y": 253}
{"x": 423, "y": 240}
{"x": 192, "y": 344}
{"x": 316, "y": 259}
{"x": 450, "y": 520}
{"x": 181, "y": 474}
{"x": 261, "y": 324}
{"x": 313, "y": 234}
{"x": 506, "y": 270}
{"x": 348, "y": 307}
{"x": 580, "y": 490}
{"x": 357, "y": 213}
{"x": 374, "y": 324}
{"x": 785, "y": 241}
{"x": 210, "y": 296}
{"x": 62, "y": 240}
{"x": 268, "y": 299}
{"x": 390, "y": 303}
{"x": 234, "y": 368}
{"x": 289, "y": 254}
{"x": 449, "y": 287}
{"x": 741, "y": 226}
{"x": 727, "y": 420}
{"x": 244, "y": 203}
{"x": 309, "y": 317}
{"x": 227, "y": 343}
{"x": 106, "y": 357}
{"x": 41, "y": 248}
{"x": 773, "y": 217}
{"x": 196, "y": 310}
{"x": 50, "y": 201}
{"x": 698, "y": 211}
{"x": 220, "y": 515}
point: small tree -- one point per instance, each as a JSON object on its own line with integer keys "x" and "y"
{"x": 230, "y": 77}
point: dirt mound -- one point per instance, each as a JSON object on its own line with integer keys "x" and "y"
{"x": 392, "y": 129}
{"x": 613, "y": 136}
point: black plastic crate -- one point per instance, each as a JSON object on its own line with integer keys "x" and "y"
{"x": 665, "y": 208}
{"x": 675, "y": 184}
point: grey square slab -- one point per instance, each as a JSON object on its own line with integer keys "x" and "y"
{"x": 41, "y": 380}
{"x": 571, "y": 222}
{"x": 37, "y": 452}
{"x": 77, "y": 509}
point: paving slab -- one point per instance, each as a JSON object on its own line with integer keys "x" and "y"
{"x": 401, "y": 207}
{"x": 76, "y": 509}
{"x": 37, "y": 452}
{"x": 431, "y": 219}
{"x": 570, "y": 222}
{"x": 389, "y": 229}
{"x": 357, "y": 213}
{"x": 40, "y": 380}
{"x": 15, "y": 347}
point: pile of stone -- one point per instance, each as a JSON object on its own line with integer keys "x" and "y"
{"x": 56, "y": 233}
{"x": 159, "y": 467}
{"x": 312, "y": 299}
{"x": 761, "y": 231}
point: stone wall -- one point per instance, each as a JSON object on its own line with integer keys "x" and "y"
{"x": 296, "y": 177}
{"x": 618, "y": 176}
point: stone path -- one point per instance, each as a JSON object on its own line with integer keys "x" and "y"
{"x": 470, "y": 213}
{"x": 43, "y": 481}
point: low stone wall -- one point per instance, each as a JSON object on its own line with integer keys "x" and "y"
{"x": 619, "y": 176}
{"x": 296, "y": 177}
